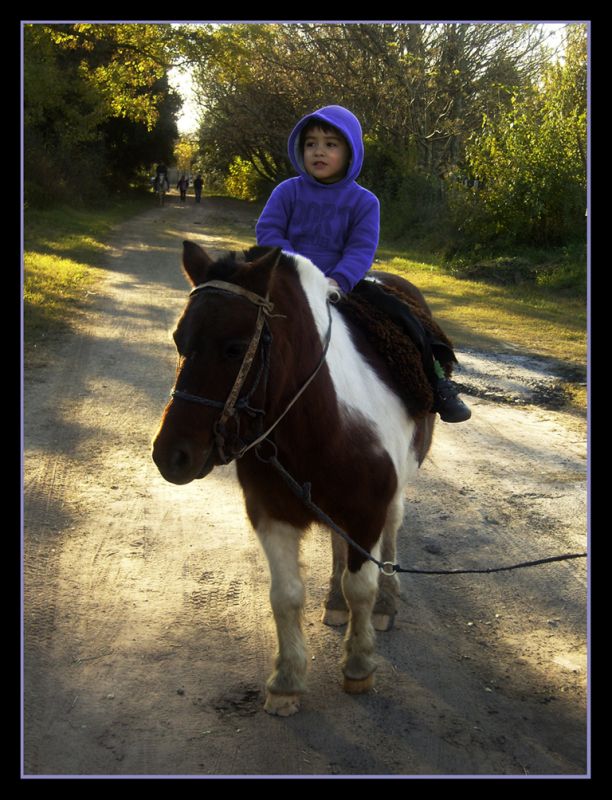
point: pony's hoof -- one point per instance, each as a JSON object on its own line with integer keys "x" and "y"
{"x": 358, "y": 685}
{"x": 282, "y": 705}
{"x": 335, "y": 617}
{"x": 383, "y": 622}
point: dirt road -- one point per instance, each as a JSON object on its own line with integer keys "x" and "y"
{"x": 148, "y": 632}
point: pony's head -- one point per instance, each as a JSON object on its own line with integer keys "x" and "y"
{"x": 223, "y": 341}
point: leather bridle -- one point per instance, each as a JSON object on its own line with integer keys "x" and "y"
{"x": 234, "y": 404}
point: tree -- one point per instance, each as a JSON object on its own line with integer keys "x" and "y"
{"x": 185, "y": 153}
{"x": 419, "y": 90}
{"x": 95, "y": 99}
{"x": 130, "y": 148}
{"x": 530, "y": 160}
{"x": 121, "y": 63}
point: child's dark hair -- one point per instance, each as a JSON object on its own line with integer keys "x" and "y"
{"x": 318, "y": 123}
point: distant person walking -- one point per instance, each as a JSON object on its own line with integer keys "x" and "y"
{"x": 182, "y": 185}
{"x": 197, "y": 188}
{"x": 161, "y": 174}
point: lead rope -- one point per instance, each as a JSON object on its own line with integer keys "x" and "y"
{"x": 386, "y": 567}
{"x": 303, "y": 492}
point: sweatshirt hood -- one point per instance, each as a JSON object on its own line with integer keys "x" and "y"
{"x": 348, "y": 125}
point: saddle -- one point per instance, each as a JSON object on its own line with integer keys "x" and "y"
{"x": 403, "y": 332}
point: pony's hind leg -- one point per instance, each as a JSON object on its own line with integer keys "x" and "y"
{"x": 359, "y": 664}
{"x": 281, "y": 544}
{"x": 383, "y": 615}
{"x": 385, "y": 608}
{"x": 336, "y": 610}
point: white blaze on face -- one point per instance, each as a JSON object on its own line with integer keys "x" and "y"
{"x": 359, "y": 390}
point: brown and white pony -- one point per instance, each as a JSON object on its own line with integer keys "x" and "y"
{"x": 348, "y": 434}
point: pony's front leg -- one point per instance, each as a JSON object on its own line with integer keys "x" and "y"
{"x": 358, "y": 665}
{"x": 281, "y": 544}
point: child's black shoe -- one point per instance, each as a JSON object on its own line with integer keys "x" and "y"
{"x": 449, "y": 406}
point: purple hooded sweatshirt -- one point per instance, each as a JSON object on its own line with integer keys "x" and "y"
{"x": 335, "y": 225}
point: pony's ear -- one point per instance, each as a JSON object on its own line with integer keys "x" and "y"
{"x": 261, "y": 268}
{"x": 195, "y": 262}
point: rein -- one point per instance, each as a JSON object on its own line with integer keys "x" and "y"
{"x": 234, "y": 404}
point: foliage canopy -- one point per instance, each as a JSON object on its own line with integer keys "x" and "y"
{"x": 473, "y": 133}
{"x": 530, "y": 160}
{"x": 440, "y": 105}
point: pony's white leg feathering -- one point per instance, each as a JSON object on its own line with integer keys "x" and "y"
{"x": 281, "y": 544}
{"x": 359, "y": 664}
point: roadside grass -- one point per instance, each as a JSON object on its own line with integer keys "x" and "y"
{"x": 64, "y": 248}
{"x": 483, "y": 316}
{"x": 523, "y": 318}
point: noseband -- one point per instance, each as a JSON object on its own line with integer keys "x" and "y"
{"x": 234, "y": 403}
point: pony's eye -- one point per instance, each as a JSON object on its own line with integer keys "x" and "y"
{"x": 235, "y": 349}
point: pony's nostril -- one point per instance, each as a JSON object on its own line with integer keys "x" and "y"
{"x": 179, "y": 460}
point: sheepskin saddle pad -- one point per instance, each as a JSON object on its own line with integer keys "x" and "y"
{"x": 402, "y": 331}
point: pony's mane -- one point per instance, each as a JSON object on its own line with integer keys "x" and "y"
{"x": 231, "y": 264}
{"x": 225, "y": 268}
{"x": 253, "y": 253}
{"x": 314, "y": 282}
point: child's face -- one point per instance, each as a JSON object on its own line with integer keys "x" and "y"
{"x": 326, "y": 155}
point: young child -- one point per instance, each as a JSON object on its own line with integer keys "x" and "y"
{"x": 327, "y": 217}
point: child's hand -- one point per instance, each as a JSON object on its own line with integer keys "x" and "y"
{"x": 334, "y": 293}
